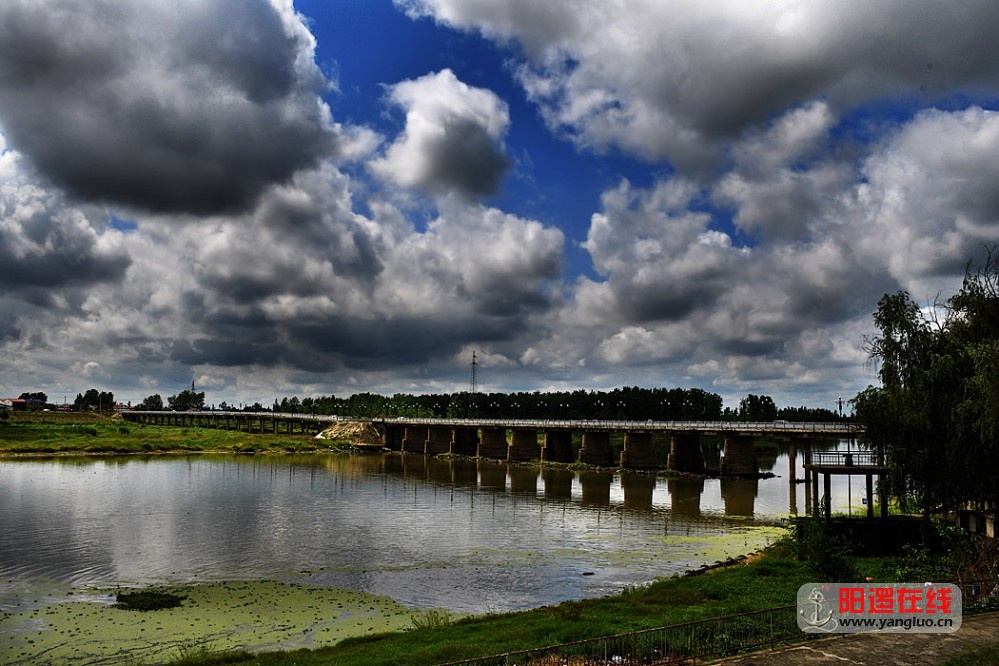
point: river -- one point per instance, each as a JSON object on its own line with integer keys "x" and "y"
{"x": 468, "y": 536}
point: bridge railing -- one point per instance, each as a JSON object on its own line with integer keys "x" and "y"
{"x": 774, "y": 427}
{"x": 763, "y": 427}
{"x": 847, "y": 458}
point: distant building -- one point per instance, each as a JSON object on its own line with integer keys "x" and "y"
{"x": 14, "y": 404}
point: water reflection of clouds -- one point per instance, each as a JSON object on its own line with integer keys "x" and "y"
{"x": 212, "y": 518}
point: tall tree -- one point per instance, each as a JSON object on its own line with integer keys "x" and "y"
{"x": 936, "y": 413}
{"x": 152, "y": 403}
{"x": 94, "y": 400}
{"x": 187, "y": 400}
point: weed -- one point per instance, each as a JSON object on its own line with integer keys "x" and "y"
{"x": 568, "y": 610}
{"x": 433, "y": 619}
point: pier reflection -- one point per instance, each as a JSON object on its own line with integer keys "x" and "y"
{"x": 739, "y": 496}
{"x": 639, "y": 490}
{"x": 691, "y": 497}
{"x": 688, "y": 496}
{"x": 596, "y": 487}
{"x": 558, "y": 483}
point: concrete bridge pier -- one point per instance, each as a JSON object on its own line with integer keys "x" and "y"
{"x": 415, "y": 439}
{"x": 685, "y": 454}
{"x": 493, "y": 444}
{"x": 638, "y": 452}
{"x": 524, "y": 445}
{"x": 596, "y": 448}
{"x": 438, "y": 440}
{"x": 558, "y": 446}
{"x": 738, "y": 458}
{"x": 465, "y": 441}
{"x": 392, "y": 437}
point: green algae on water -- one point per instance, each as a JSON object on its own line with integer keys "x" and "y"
{"x": 250, "y": 615}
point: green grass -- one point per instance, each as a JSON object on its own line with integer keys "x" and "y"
{"x": 90, "y": 434}
{"x": 985, "y": 655}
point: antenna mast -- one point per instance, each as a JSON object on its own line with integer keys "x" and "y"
{"x": 475, "y": 385}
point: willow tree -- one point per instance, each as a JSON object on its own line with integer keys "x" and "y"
{"x": 936, "y": 413}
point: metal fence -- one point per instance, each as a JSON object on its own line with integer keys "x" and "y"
{"x": 703, "y": 640}
{"x": 674, "y": 644}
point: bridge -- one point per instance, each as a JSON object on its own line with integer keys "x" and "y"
{"x": 550, "y": 440}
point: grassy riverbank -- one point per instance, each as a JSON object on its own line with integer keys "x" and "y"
{"x": 73, "y": 433}
{"x": 769, "y": 580}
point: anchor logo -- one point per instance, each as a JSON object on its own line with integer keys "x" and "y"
{"x": 817, "y": 621}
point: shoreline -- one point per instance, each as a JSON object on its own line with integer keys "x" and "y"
{"x": 60, "y": 622}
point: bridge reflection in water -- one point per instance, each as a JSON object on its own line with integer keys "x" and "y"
{"x": 689, "y": 497}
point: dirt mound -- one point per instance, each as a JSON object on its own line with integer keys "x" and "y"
{"x": 353, "y": 432}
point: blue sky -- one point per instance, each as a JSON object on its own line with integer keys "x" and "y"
{"x": 275, "y": 198}
{"x": 366, "y": 46}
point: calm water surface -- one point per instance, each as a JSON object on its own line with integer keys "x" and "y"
{"x": 464, "y": 535}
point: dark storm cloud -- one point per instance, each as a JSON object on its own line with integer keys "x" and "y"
{"x": 678, "y": 79}
{"x": 74, "y": 263}
{"x": 225, "y": 353}
{"x": 401, "y": 342}
{"x": 453, "y": 142}
{"x": 182, "y": 107}
{"x": 45, "y": 245}
{"x": 9, "y": 329}
{"x": 465, "y": 159}
{"x": 668, "y": 302}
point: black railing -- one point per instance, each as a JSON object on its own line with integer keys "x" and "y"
{"x": 847, "y": 459}
{"x": 674, "y": 644}
{"x": 701, "y": 640}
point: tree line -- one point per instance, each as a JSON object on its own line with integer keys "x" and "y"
{"x": 627, "y": 403}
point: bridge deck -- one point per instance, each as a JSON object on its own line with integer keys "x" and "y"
{"x": 816, "y": 429}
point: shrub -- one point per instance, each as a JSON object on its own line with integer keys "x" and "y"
{"x": 826, "y": 554}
